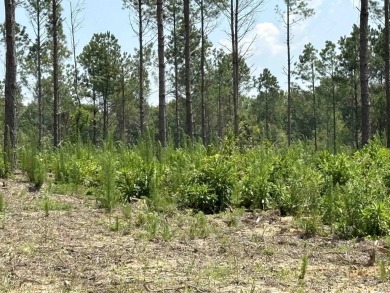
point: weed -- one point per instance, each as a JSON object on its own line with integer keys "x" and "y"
{"x": 2, "y": 226}
{"x": 232, "y": 220}
{"x": 127, "y": 211}
{"x": 46, "y": 207}
{"x": 218, "y": 272}
{"x": 141, "y": 219}
{"x": 151, "y": 225}
{"x": 50, "y": 204}
{"x": 269, "y": 251}
{"x": 383, "y": 272}
{"x": 115, "y": 226}
{"x": 166, "y": 232}
{"x": 107, "y": 195}
{"x": 199, "y": 226}
{"x": 29, "y": 249}
{"x": 303, "y": 268}
{"x": 2, "y": 203}
{"x": 311, "y": 225}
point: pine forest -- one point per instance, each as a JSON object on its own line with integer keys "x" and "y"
{"x": 185, "y": 164}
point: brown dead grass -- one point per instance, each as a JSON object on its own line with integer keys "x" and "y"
{"x": 75, "y": 250}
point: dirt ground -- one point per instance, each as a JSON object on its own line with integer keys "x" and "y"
{"x": 70, "y": 245}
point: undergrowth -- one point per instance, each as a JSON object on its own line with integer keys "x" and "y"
{"x": 347, "y": 192}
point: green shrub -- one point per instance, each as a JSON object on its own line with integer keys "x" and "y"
{"x": 33, "y": 165}
{"x": 254, "y": 185}
{"x": 338, "y": 169}
{"x": 294, "y": 185}
{"x": 107, "y": 194}
{"x": 136, "y": 183}
{"x": 376, "y": 219}
{"x": 210, "y": 188}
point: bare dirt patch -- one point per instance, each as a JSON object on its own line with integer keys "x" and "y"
{"x": 80, "y": 248}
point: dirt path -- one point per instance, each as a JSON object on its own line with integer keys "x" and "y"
{"x": 75, "y": 248}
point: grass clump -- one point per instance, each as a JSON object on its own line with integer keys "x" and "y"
{"x": 199, "y": 227}
{"x": 33, "y": 165}
{"x": 2, "y": 202}
{"x": 48, "y": 204}
{"x": 383, "y": 272}
{"x": 303, "y": 268}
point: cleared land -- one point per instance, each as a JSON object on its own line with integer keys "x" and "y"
{"x": 65, "y": 243}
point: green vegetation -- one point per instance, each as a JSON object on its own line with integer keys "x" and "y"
{"x": 347, "y": 191}
{"x": 303, "y": 267}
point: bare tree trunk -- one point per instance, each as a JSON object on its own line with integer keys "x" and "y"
{"x": 177, "y": 119}
{"x": 105, "y": 112}
{"x": 387, "y": 69}
{"x": 141, "y": 71}
{"x": 39, "y": 78}
{"x": 314, "y": 105}
{"x": 202, "y": 73}
{"x": 334, "y": 115}
{"x": 123, "y": 107}
{"x": 219, "y": 107}
{"x": 236, "y": 71}
{"x": 161, "y": 75}
{"x": 55, "y": 75}
{"x": 94, "y": 117}
{"x": 74, "y": 24}
{"x": 267, "y": 134}
{"x": 233, "y": 32}
{"x": 356, "y": 106}
{"x": 10, "y": 85}
{"x": 366, "y": 133}
{"x": 289, "y": 97}
{"x": 189, "y": 116}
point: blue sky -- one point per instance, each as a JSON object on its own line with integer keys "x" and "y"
{"x": 333, "y": 19}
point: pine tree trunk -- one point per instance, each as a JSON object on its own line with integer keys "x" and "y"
{"x": 202, "y": 73}
{"x": 334, "y": 115}
{"x": 236, "y": 72}
{"x": 10, "y": 85}
{"x": 123, "y": 107}
{"x": 177, "y": 118}
{"x": 387, "y": 69}
{"x": 233, "y": 32}
{"x": 39, "y": 77}
{"x": 55, "y": 75}
{"x": 161, "y": 75}
{"x": 94, "y": 117}
{"x": 314, "y": 106}
{"x": 189, "y": 116}
{"x": 366, "y": 133}
{"x": 356, "y": 111}
{"x": 141, "y": 71}
{"x": 75, "y": 81}
{"x": 289, "y": 98}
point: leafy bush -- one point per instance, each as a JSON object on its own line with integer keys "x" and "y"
{"x": 136, "y": 183}
{"x": 376, "y": 219}
{"x": 254, "y": 186}
{"x": 210, "y": 188}
{"x": 294, "y": 185}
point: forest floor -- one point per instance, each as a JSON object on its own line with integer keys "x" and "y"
{"x": 77, "y": 247}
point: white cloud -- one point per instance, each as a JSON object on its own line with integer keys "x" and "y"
{"x": 269, "y": 39}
